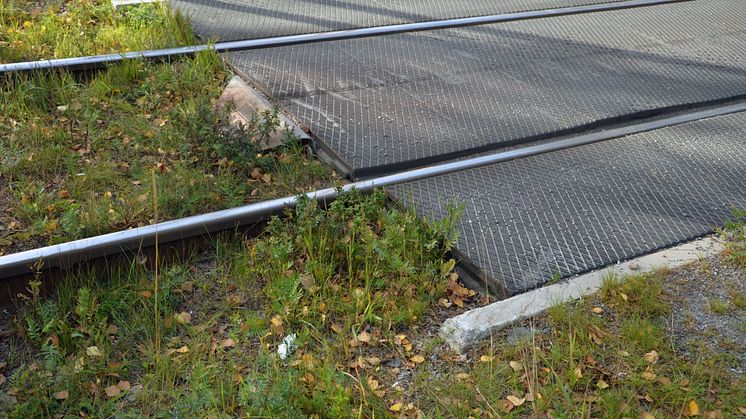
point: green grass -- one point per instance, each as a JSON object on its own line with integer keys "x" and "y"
{"x": 734, "y": 234}
{"x": 619, "y": 363}
{"x": 32, "y": 30}
{"x": 345, "y": 282}
{"x": 77, "y": 154}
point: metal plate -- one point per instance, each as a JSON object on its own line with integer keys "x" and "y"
{"x": 242, "y": 19}
{"x": 405, "y": 100}
{"x": 563, "y": 213}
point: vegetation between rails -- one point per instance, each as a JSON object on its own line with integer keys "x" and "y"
{"x": 77, "y": 154}
{"x": 34, "y": 30}
{"x": 339, "y": 288}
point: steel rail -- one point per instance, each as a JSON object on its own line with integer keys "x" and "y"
{"x": 97, "y": 61}
{"x": 63, "y": 255}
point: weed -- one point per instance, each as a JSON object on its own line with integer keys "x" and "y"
{"x": 717, "y": 306}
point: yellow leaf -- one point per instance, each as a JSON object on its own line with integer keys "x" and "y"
{"x": 61, "y": 395}
{"x": 93, "y": 351}
{"x": 648, "y": 374}
{"x": 602, "y": 384}
{"x": 276, "y": 321}
{"x": 578, "y": 373}
{"x": 624, "y": 296}
{"x": 652, "y": 357}
{"x": 692, "y": 409}
{"x": 184, "y": 349}
{"x": 597, "y": 310}
{"x": 183, "y": 317}
{"x": 515, "y": 401}
{"x": 463, "y": 376}
{"x": 647, "y": 415}
{"x": 373, "y": 361}
{"x": 517, "y": 366}
{"x": 396, "y": 407}
{"x": 486, "y": 358}
{"x": 417, "y": 359}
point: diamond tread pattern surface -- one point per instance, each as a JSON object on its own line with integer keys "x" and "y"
{"x": 385, "y": 104}
{"x": 530, "y": 220}
{"x": 229, "y": 20}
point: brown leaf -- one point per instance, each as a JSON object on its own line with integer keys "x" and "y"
{"x": 652, "y": 357}
{"x": 307, "y": 281}
{"x": 235, "y": 299}
{"x": 227, "y": 343}
{"x": 61, "y": 395}
{"x": 112, "y": 391}
{"x": 647, "y": 415}
{"x": 144, "y": 294}
{"x": 648, "y": 374}
{"x": 373, "y": 361}
{"x": 597, "y": 310}
{"x": 267, "y": 178}
{"x": 124, "y": 385}
{"x": 516, "y": 401}
{"x": 505, "y": 405}
{"x": 364, "y": 337}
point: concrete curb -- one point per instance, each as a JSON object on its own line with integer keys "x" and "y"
{"x": 249, "y": 103}
{"x": 467, "y": 329}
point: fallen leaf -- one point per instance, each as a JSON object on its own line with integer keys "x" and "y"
{"x": 516, "y": 401}
{"x": 597, "y": 310}
{"x": 463, "y": 376}
{"x": 184, "y": 349}
{"x": 235, "y": 299}
{"x": 183, "y": 317}
{"x": 61, "y": 395}
{"x": 227, "y": 343}
{"x": 664, "y": 380}
{"x": 112, "y": 329}
{"x": 276, "y": 321}
{"x": 2, "y": 379}
{"x": 742, "y": 409}
{"x": 396, "y": 407}
{"x": 505, "y": 405}
{"x": 93, "y": 351}
{"x": 578, "y": 373}
{"x": 364, "y": 337}
{"x": 646, "y": 415}
{"x": 112, "y": 391}
{"x": 124, "y": 385}
{"x": 373, "y": 361}
{"x": 144, "y": 294}
{"x": 602, "y": 384}
{"x": 624, "y": 296}
{"x": 652, "y": 357}
{"x": 336, "y": 328}
{"x": 373, "y": 383}
{"x": 648, "y": 374}
{"x": 517, "y": 366}
{"x": 417, "y": 359}
{"x": 692, "y": 409}
{"x": 486, "y": 358}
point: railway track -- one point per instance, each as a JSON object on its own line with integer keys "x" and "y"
{"x": 98, "y": 61}
{"x": 68, "y": 254}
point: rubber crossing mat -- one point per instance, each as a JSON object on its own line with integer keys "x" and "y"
{"x": 550, "y": 216}
{"x": 389, "y": 103}
{"x": 229, "y": 20}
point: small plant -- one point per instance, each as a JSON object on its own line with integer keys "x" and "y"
{"x": 717, "y": 306}
{"x": 734, "y": 233}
